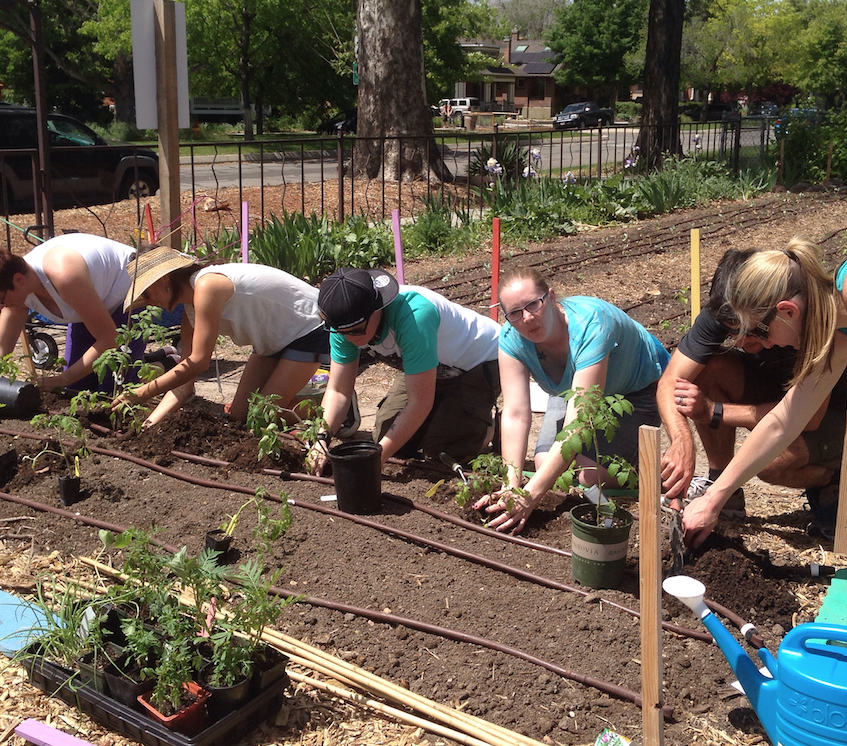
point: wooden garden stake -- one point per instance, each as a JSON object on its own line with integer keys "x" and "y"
{"x": 695, "y": 273}
{"x": 30, "y": 366}
{"x": 650, "y": 573}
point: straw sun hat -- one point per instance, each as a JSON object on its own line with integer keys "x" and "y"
{"x": 150, "y": 266}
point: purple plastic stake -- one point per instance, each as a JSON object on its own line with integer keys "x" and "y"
{"x": 245, "y": 230}
{"x": 398, "y": 246}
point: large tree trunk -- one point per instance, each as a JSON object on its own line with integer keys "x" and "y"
{"x": 392, "y": 94}
{"x": 660, "y": 113}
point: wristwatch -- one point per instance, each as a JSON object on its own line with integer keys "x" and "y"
{"x": 717, "y": 416}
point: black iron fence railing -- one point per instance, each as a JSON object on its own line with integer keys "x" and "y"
{"x": 323, "y": 174}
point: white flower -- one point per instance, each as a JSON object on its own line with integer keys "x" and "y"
{"x": 536, "y": 153}
{"x": 528, "y": 171}
{"x": 569, "y": 178}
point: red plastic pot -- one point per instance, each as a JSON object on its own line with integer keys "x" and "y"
{"x": 189, "y": 720}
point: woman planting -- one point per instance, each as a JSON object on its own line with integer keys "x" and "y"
{"x": 79, "y": 280}
{"x": 577, "y": 342}
{"x": 787, "y": 299}
{"x": 252, "y": 304}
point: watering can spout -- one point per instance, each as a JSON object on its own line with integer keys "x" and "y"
{"x": 760, "y": 689}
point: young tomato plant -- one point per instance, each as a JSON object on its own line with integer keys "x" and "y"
{"x": 488, "y": 473}
{"x": 66, "y": 427}
{"x": 263, "y": 414}
{"x": 595, "y": 412}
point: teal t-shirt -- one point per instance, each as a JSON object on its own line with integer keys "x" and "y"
{"x": 422, "y": 330}
{"x": 596, "y": 328}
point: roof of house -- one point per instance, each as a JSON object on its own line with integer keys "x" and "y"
{"x": 529, "y": 57}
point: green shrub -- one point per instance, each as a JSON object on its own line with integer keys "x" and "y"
{"x": 509, "y": 155}
{"x": 628, "y": 110}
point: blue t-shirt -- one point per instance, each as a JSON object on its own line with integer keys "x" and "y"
{"x": 421, "y": 330}
{"x": 840, "y": 274}
{"x": 596, "y": 328}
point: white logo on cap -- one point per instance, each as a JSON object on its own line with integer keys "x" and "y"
{"x": 381, "y": 281}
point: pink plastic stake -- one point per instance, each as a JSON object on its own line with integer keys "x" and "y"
{"x": 398, "y": 247}
{"x": 495, "y": 265}
{"x": 245, "y": 231}
{"x": 151, "y": 235}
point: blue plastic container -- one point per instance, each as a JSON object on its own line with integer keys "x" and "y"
{"x": 811, "y": 702}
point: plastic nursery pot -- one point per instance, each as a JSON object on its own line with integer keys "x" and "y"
{"x": 91, "y": 674}
{"x": 269, "y": 670}
{"x": 189, "y": 720}
{"x": 124, "y": 688}
{"x": 224, "y": 699}
{"x": 68, "y": 490}
{"x": 598, "y": 553}
{"x": 218, "y": 541}
{"x": 357, "y": 471}
{"x": 20, "y": 399}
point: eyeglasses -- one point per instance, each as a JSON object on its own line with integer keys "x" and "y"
{"x": 355, "y": 332}
{"x": 763, "y": 329}
{"x": 534, "y": 306}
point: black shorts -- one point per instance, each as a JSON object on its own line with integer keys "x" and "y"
{"x": 310, "y": 348}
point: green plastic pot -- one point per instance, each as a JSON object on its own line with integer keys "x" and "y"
{"x": 598, "y": 554}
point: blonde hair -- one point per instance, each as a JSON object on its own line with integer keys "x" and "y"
{"x": 769, "y": 277}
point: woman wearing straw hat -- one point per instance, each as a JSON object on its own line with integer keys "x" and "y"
{"x": 255, "y": 305}
{"x": 79, "y": 280}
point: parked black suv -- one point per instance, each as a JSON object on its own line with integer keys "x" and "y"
{"x": 86, "y": 169}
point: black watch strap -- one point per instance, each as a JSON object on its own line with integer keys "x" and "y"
{"x": 717, "y": 416}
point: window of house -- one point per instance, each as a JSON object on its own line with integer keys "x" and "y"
{"x": 538, "y": 88}
{"x": 521, "y": 48}
{"x": 520, "y": 83}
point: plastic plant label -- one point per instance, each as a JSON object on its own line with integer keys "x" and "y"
{"x": 610, "y": 738}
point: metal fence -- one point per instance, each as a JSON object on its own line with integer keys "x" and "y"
{"x": 317, "y": 174}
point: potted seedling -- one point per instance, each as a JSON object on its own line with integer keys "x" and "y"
{"x": 19, "y": 398}
{"x": 66, "y": 427}
{"x": 599, "y": 531}
{"x": 266, "y": 531}
{"x": 176, "y": 700}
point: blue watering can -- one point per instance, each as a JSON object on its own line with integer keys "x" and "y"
{"x": 805, "y": 703}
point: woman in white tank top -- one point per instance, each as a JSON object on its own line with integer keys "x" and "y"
{"x": 72, "y": 279}
{"x": 255, "y": 305}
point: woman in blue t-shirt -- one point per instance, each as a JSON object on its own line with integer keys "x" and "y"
{"x": 786, "y": 298}
{"x": 574, "y": 343}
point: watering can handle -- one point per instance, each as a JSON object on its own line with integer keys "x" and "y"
{"x": 800, "y": 635}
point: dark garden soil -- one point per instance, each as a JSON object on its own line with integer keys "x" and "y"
{"x": 748, "y": 566}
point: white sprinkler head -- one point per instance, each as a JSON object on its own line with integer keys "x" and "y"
{"x": 688, "y": 590}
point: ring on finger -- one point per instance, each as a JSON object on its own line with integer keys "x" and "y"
{"x": 680, "y": 401}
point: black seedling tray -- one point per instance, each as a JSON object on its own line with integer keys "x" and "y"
{"x": 55, "y": 681}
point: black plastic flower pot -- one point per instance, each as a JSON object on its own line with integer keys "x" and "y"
{"x": 269, "y": 669}
{"x": 68, "y": 490}
{"x": 125, "y": 684}
{"x": 19, "y": 399}
{"x": 91, "y": 674}
{"x": 218, "y": 541}
{"x": 357, "y": 471}
{"x": 223, "y": 699}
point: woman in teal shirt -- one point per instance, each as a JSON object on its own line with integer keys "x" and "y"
{"x": 574, "y": 343}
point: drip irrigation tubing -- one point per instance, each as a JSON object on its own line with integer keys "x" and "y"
{"x": 420, "y": 540}
{"x": 643, "y": 244}
{"x": 390, "y": 619}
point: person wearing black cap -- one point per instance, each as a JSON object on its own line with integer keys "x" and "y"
{"x": 448, "y": 355}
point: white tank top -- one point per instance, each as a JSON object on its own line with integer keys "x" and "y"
{"x": 106, "y": 260}
{"x": 269, "y": 309}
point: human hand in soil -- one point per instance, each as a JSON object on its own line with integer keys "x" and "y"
{"x": 127, "y": 397}
{"x": 516, "y": 506}
{"x": 51, "y": 382}
{"x": 699, "y": 518}
{"x": 691, "y": 402}
{"x": 317, "y": 458}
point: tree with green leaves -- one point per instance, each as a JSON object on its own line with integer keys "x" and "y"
{"x": 596, "y": 41}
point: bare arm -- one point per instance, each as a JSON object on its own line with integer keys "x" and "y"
{"x": 211, "y": 292}
{"x": 177, "y": 396}
{"x": 335, "y": 403}
{"x": 678, "y": 461}
{"x": 12, "y": 322}
{"x": 516, "y": 419}
{"x": 68, "y": 272}
{"x": 551, "y": 468}
{"x": 771, "y": 436}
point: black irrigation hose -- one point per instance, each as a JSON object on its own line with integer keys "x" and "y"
{"x": 478, "y": 559}
{"x": 391, "y": 619}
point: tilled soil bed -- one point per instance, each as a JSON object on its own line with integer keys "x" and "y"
{"x": 531, "y": 630}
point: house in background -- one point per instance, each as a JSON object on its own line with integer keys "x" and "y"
{"x": 523, "y": 81}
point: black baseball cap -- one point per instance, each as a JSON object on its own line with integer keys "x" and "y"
{"x": 349, "y": 295}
